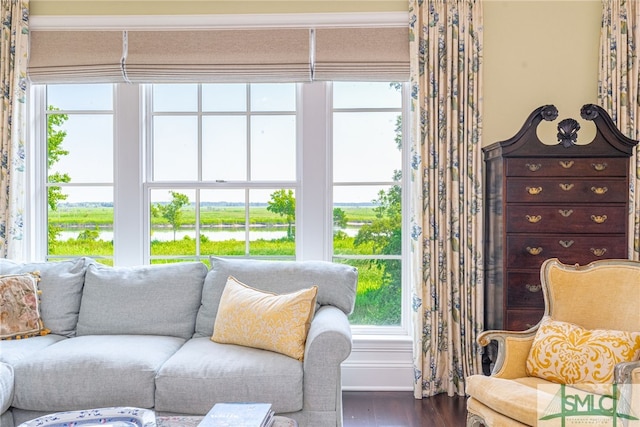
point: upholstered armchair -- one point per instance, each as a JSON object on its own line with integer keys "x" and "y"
{"x": 578, "y": 365}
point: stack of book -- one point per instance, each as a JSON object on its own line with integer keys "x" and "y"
{"x": 239, "y": 415}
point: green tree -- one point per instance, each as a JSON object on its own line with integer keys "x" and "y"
{"x": 88, "y": 235}
{"x": 171, "y": 211}
{"x": 339, "y": 222}
{"x": 55, "y": 151}
{"x": 339, "y": 218}
{"x": 284, "y": 204}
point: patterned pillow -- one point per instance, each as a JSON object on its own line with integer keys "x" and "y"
{"x": 254, "y": 318}
{"x": 568, "y": 354}
{"x": 20, "y": 306}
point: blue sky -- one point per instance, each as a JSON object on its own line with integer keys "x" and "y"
{"x": 364, "y": 148}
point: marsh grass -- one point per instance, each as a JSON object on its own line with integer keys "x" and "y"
{"x": 377, "y": 303}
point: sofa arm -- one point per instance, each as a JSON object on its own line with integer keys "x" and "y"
{"x": 328, "y": 344}
{"x": 513, "y": 349}
{"x": 6, "y": 386}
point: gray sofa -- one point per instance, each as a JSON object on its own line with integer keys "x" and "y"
{"x": 140, "y": 337}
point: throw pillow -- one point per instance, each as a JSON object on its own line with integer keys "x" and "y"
{"x": 20, "y": 306}
{"x": 566, "y": 353}
{"x": 254, "y": 318}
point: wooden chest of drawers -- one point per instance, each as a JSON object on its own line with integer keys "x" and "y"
{"x": 568, "y": 201}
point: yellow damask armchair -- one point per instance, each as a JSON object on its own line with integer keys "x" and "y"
{"x": 579, "y": 365}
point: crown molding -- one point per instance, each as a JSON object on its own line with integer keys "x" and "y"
{"x": 221, "y": 21}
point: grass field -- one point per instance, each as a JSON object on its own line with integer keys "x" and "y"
{"x": 377, "y": 302}
{"x": 67, "y": 216}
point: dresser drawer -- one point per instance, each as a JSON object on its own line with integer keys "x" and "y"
{"x": 540, "y": 167}
{"x": 553, "y": 190}
{"x": 529, "y": 251}
{"x": 519, "y": 320}
{"x": 524, "y": 290}
{"x": 566, "y": 218}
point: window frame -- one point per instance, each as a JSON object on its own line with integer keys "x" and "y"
{"x": 313, "y": 184}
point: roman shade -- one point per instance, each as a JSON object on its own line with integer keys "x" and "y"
{"x": 377, "y": 54}
{"x": 75, "y": 56}
{"x": 220, "y": 55}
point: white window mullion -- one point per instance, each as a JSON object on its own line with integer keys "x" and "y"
{"x": 314, "y": 213}
{"x": 128, "y": 239}
{"x": 37, "y": 175}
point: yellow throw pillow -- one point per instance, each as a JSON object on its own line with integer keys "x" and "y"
{"x": 254, "y": 318}
{"x": 20, "y": 306}
{"x": 565, "y": 353}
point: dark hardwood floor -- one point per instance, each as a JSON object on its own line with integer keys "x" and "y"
{"x": 401, "y": 409}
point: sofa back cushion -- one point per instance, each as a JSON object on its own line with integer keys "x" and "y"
{"x": 143, "y": 300}
{"x": 336, "y": 283}
{"x": 61, "y": 285}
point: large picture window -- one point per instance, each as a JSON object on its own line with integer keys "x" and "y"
{"x": 180, "y": 172}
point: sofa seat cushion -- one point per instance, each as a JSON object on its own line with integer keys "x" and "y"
{"x": 489, "y": 416}
{"x": 204, "y": 372}
{"x": 526, "y": 400}
{"x": 522, "y": 399}
{"x": 12, "y": 351}
{"x": 92, "y": 371}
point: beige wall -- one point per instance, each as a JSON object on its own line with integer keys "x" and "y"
{"x": 536, "y": 52}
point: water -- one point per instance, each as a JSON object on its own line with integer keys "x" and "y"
{"x": 214, "y": 236}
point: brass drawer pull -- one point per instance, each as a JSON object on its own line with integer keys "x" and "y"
{"x": 566, "y": 243}
{"x": 533, "y": 218}
{"x": 534, "y": 191}
{"x": 533, "y": 288}
{"x": 565, "y": 212}
{"x": 598, "y": 251}
{"x": 534, "y": 167}
{"x": 566, "y": 164}
{"x": 534, "y": 251}
{"x": 566, "y": 187}
{"x": 599, "y": 190}
{"x": 598, "y": 219}
{"x": 599, "y": 167}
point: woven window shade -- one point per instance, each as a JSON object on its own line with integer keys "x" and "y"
{"x": 218, "y": 56}
{"x": 75, "y": 56}
{"x": 362, "y": 54}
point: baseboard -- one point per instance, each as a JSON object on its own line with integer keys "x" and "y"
{"x": 379, "y": 364}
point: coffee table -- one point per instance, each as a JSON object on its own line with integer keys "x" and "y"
{"x": 128, "y": 416}
{"x": 193, "y": 421}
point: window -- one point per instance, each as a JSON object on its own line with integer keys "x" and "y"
{"x": 177, "y": 172}
{"x": 222, "y": 170}
{"x": 78, "y": 124}
{"x": 367, "y": 195}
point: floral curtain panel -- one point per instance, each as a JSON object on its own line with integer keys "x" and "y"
{"x": 618, "y": 88}
{"x": 14, "y": 43}
{"x": 446, "y": 78}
